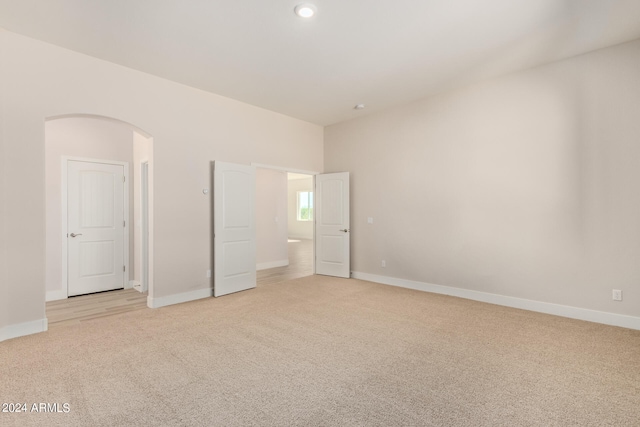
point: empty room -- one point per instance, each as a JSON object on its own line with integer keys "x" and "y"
{"x": 323, "y": 213}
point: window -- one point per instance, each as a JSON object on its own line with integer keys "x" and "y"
{"x": 305, "y": 205}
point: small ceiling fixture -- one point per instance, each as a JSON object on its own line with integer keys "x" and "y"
{"x": 358, "y": 107}
{"x": 305, "y": 10}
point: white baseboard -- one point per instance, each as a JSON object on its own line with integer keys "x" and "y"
{"x": 272, "y": 264}
{"x": 606, "y": 318}
{"x": 179, "y": 298}
{"x": 301, "y": 237}
{"x": 56, "y": 295}
{"x": 22, "y": 329}
{"x": 137, "y": 286}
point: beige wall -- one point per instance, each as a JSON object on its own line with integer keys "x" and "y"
{"x": 298, "y": 229}
{"x": 524, "y": 186}
{"x": 4, "y": 300}
{"x": 81, "y": 137}
{"x": 189, "y": 129}
{"x": 271, "y": 218}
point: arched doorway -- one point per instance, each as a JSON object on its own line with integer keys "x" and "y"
{"x": 89, "y": 138}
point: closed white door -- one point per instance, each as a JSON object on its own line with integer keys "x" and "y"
{"x": 95, "y": 226}
{"x": 234, "y": 228}
{"x": 332, "y": 225}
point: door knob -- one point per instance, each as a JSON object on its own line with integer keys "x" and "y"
{"x": 74, "y": 234}
{"x": 346, "y": 230}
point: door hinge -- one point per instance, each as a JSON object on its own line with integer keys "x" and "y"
{"x": 124, "y": 179}
{"x": 124, "y": 268}
{"x": 124, "y": 223}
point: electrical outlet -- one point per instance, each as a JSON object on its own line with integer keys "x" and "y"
{"x": 617, "y": 295}
{"x": 208, "y": 274}
{"x": 370, "y": 220}
{"x": 383, "y": 263}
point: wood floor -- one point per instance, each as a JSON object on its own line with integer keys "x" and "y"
{"x": 300, "y": 264}
{"x": 87, "y": 307}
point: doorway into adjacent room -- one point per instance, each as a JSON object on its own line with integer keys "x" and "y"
{"x": 284, "y": 225}
{"x": 99, "y": 215}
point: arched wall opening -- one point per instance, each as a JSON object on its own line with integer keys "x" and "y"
{"x": 99, "y": 138}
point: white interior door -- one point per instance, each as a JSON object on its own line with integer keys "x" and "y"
{"x": 234, "y": 228}
{"x": 95, "y": 227}
{"x": 332, "y": 225}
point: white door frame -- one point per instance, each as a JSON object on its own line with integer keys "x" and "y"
{"x": 144, "y": 225}
{"x": 313, "y": 178}
{"x": 65, "y": 231}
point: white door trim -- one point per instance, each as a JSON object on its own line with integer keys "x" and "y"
{"x": 283, "y": 169}
{"x": 65, "y": 255}
{"x": 144, "y": 225}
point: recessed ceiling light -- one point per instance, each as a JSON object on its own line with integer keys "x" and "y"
{"x": 305, "y": 10}
{"x": 358, "y": 107}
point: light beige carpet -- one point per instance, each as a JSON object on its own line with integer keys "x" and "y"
{"x": 319, "y": 351}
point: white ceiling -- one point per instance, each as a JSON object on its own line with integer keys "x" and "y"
{"x": 376, "y": 52}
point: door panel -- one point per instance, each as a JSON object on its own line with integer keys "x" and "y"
{"x": 234, "y": 228}
{"x": 96, "y": 258}
{"x": 95, "y": 223}
{"x": 332, "y": 225}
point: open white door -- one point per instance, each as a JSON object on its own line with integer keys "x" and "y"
{"x": 332, "y": 225}
{"x": 96, "y": 228}
{"x": 234, "y": 228}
